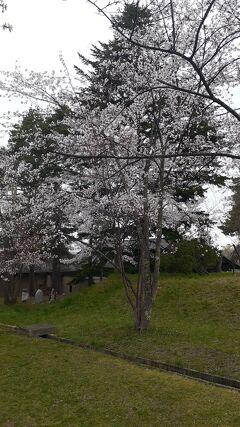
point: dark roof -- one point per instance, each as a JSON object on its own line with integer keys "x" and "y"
{"x": 228, "y": 264}
{"x": 48, "y": 268}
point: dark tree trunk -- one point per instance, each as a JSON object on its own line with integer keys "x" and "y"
{"x": 6, "y": 298}
{"x": 90, "y": 267}
{"x": 90, "y": 273}
{"x": 144, "y": 299}
{"x": 147, "y": 281}
{"x": 32, "y": 284}
{"x": 9, "y": 291}
{"x": 101, "y": 272}
{"x": 56, "y": 275}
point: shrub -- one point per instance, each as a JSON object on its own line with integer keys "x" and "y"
{"x": 191, "y": 256}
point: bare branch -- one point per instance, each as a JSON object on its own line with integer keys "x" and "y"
{"x": 148, "y": 156}
{"x": 201, "y": 25}
{"x": 173, "y": 26}
{"x": 172, "y": 51}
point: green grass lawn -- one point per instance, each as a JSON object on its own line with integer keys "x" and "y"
{"x": 196, "y": 321}
{"x": 48, "y": 384}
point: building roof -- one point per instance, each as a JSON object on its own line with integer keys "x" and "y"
{"x": 48, "y": 268}
{"x": 228, "y": 264}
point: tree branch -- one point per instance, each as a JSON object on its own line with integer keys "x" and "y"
{"x": 147, "y": 156}
{"x": 200, "y": 26}
{"x": 172, "y": 51}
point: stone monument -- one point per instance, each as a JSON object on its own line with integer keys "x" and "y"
{"x": 38, "y": 296}
{"x": 25, "y": 295}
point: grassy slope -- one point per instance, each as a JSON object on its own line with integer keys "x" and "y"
{"x": 196, "y": 321}
{"x": 48, "y": 384}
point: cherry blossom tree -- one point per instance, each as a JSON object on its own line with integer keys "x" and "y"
{"x": 35, "y": 227}
{"x": 131, "y": 157}
{"x": 19, "y": 241}
{"x": 140, "y": 148}
{"x": 201, "y": 37}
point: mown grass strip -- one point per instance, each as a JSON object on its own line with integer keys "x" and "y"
{"x": 6, "y": 329}
{"x": 190, "y": 373}
{"x": 45, "y": 384}
{"x": 213, "y": 379}
{"x": 195, "y": 324}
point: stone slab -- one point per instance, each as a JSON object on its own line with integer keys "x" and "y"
{"x": 36, "y": 330}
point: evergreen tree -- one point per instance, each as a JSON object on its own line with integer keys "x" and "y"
{"x": 36, "y": 173}
{"x": 101, "y": 76}
{"x": 232, "y": 224}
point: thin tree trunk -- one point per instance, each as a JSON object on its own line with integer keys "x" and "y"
{"x": 90, "y": 267}
{"x": 56, "y": 275}
{"x": 17, "y": 285}
{"x": 159, "y": 225}
{"x": 147, "y": 282}
{"x": 144, "y": 292}
{"x": 9, "y": 291}
{"x": 32, "y": 284}
{"x": 6, "y": 299}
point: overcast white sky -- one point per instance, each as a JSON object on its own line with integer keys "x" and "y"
{"x": 44, "y": 28}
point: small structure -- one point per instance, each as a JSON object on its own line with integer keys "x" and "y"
{"x": 37, "y": 330}
{"x": 41, "y": 277}
{"x": 229, "y": 265}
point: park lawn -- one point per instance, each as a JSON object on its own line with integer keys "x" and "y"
{"x": 196, "y": 321}
{"x": 48, "y": 384}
